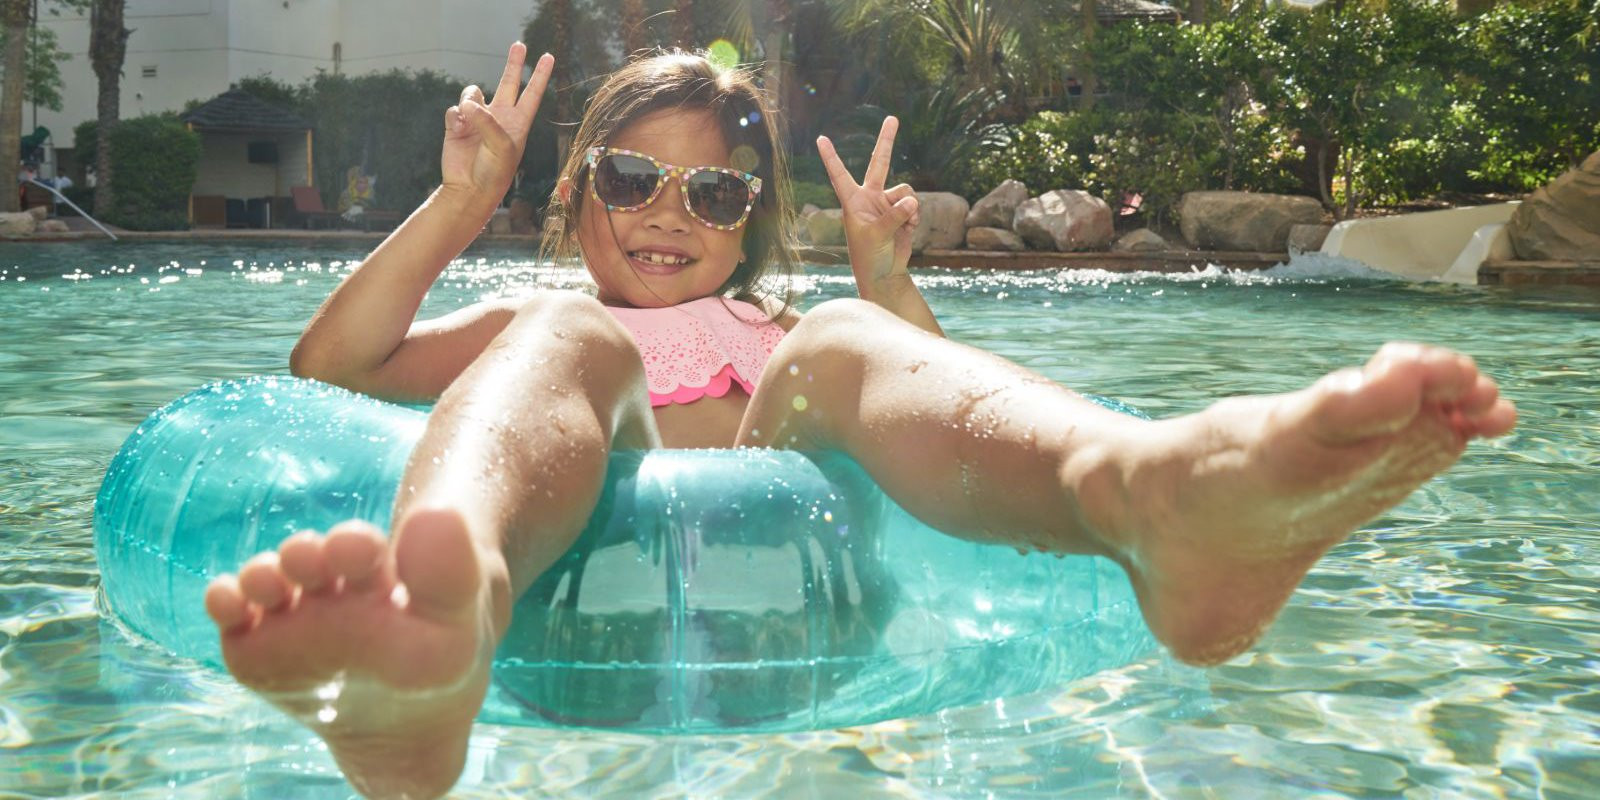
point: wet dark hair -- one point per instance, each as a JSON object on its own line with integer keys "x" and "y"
{"x": 676, "y": 80}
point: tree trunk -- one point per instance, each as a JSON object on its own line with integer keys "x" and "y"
{"x": 1197, "y": 12}
{"x": 108, "y": 47}
{"x": 16, "y": 15}
{"x": 561, "y": 75}
{"x": 683, "y": 24}
{"x": 1090, "y": 81}
{"x": 778, "y": 24}
{"x": 633, "y": 38}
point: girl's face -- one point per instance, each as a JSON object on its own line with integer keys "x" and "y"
{"x": 660, "y": 255}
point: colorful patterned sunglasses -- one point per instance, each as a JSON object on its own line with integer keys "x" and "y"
{"x": 718, "y": 197}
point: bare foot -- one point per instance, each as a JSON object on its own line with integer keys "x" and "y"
{"x": 1232, "y": 509}
{"x": 383, "y": 652}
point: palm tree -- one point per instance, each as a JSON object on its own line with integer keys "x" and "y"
{"x": 683, "y": 23}
{"x": 633, "y": 32}
{"x": 16, "y": 15}
{"x": 108, "y": 45}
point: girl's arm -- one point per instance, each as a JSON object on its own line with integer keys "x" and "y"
{"x": 878, "y": 224}
{"x": 363, "y": 337}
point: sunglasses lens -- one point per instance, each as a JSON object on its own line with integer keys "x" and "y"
{"x": 625, "y": 181}
{"x": 717, "y": 197}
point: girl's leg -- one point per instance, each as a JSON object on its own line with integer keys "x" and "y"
{"x": 1216, "y": 516}
{"x": 402, "y": 629}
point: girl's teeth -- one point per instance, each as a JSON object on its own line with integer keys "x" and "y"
{"x": 660, "y": 258}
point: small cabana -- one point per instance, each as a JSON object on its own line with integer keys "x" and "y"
{"x": 252, "y": 154}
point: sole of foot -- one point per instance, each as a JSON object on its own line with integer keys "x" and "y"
{"x": 1239, "y": 501}
{"x": 382, "y": 649}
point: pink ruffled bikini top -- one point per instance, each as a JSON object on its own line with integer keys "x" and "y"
{"x": 700, "y": 348}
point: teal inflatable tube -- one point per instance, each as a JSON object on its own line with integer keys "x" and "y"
{"x": 713, "y": 590}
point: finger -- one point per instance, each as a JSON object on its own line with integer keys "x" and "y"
{"x": 483, "y": 123}
{"x": 472, "y": 94}
{"x": 528, "y": 103}
{"x": 902, "y": 212}
{"x": 838, "y": 175}
{"x": 903, "y": 190}
{"x": 878, "y": 167}
{"x": 453, "y": 123}
{"x": 505, "y": 93}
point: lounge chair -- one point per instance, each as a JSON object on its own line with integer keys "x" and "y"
{"x": 308, "y": 209}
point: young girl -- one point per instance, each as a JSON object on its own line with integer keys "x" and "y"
{"x": 675, "y": 195}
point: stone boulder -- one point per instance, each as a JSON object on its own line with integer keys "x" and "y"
{"x": 53, "y": 226}
{"x": 1244, "y": 220}
{"x": 1561, "y": 221}
{"x": 826, "y": 227}
{"x": 500, "y": 222}
{"x": 999, "y": 207}
{"x": 1065, "y": 220}
{"x": 20, "y": 223}
{"x": 1143, "y": 240}
{"x": 40, "y": 213}
{"x": 994, "y": 239}
{"x": 1307, "y": 238}
{"x": 943, "y": 223}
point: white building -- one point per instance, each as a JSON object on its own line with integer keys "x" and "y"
{"x": 183, "y": 50}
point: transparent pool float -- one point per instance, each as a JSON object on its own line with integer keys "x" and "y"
{"x": 712, "y": 591}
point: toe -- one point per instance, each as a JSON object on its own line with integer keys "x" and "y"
{"x": 262, "y": 582}
{"x": 357, "y": 552}
{"x": 225, "y": 603}
{"x": 436, "y": 560}
{"x": 305, "y": 561}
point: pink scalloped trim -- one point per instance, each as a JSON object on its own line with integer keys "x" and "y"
{"x": 718, "y": 386}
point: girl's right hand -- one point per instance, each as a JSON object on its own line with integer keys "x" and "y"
{"x": 483, "y": 141}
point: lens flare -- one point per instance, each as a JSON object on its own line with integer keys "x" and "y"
{"x": 744, "y": 158}
{"x": 723, "y": 54}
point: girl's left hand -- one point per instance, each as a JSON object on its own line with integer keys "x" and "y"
{"x": 878, "y": 222}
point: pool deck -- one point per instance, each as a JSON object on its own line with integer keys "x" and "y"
{"x": 1496, "y": 273}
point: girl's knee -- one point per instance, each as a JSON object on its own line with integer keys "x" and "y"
{"x": 845, "y": 321}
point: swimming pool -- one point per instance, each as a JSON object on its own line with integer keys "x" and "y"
{"x": 1447, "y": 650}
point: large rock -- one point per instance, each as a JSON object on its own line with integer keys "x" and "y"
{"x": 999, "y": 207}
{"x": 943, "y": 223}
{"x": 53, "y": 226}
{"x": 1066, "y": 220}
{"x": 826, "y": 227}
{"x": 40, "y": 213}
{"x": 1561, "y": 221}
{"x": 1143, "y": 240}
{"x": 1244, "y": 220}
{"x": 994, "y": 239}
{"x": 1307, "y": 238}
{"x": 20, "y": 223}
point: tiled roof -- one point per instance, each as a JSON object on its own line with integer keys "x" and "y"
{"x": 237, "y": 109}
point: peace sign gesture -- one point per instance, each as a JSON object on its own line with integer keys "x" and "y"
{"x": 878, "y": 222}
{"x": 483, "y": 140}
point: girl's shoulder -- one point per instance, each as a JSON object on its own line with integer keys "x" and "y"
{"x": 782, "y": 314}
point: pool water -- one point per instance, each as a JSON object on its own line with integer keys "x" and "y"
{"x": 1449, "y": 649}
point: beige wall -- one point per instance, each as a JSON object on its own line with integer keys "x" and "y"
{"x": 225, "y": 168}
{"x": 200, "y": 47}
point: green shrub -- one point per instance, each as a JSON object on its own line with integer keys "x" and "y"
{"x": 156, "y": 160}
{"x": 820, "y": 195}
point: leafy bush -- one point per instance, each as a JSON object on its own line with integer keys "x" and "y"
{"x": 156, "y": 160}
{"x": 820, "y": 195}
